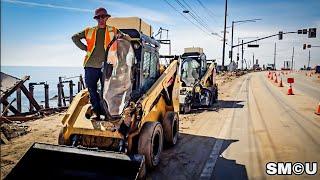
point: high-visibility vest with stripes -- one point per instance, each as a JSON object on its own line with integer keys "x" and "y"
{"x": 91, "y": 33}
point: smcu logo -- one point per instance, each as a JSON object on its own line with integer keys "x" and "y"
{"x": 289, "y": 168}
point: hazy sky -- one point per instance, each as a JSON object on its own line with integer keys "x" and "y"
{"x": 38, "y": 32}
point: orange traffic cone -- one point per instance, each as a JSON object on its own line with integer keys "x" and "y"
{"x": 306, "y": 74}
{"x": 318, "y": 109}
{"x": 290, "y": 91}
{"x": 280, "y": 84}
{"x": 271, "y": 76}
{"x": 276, "y": 80}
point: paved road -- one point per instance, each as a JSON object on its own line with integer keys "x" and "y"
{"x": 255, "y": 122}
{"x": 309, "y": 86}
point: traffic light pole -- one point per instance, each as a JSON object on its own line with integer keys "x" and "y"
{"x": 242, "y": 55}
{"x": 262, "y": 38}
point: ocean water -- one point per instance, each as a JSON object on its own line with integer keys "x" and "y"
{"x": 43, "y": 74}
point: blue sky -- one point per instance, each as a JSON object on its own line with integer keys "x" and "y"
{"x": 38, "y": 32}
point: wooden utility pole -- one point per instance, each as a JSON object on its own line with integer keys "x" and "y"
{"x": 274, "y": 55}
{"x": 224, "y": 33}
{"x": 292, "y": 58}
{"x": 309, "y": 60}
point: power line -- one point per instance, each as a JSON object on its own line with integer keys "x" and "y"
{"x": 186, "y": 17}
{"x": 209, "y": 12}
{"x": 198, "y": 19}
{"x": 195, "y": 13}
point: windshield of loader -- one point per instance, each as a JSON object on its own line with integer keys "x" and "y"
{"x": 117, "y": 85}
{"x": 190, "y": 71}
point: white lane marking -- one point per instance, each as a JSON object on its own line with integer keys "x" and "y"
{"x": 211, "y": 162}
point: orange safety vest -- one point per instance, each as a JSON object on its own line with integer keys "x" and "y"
{"x": 91, "y": 33}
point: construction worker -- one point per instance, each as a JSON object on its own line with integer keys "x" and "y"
{"x": 98, "y": 38}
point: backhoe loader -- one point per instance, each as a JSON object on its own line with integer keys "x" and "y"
{"x": 198, "y": 86}
{"x": 141, "y": 105}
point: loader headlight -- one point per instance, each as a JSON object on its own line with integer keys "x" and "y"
{"x": 197, "y": 89}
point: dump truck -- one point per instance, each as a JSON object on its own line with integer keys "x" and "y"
{"x": 198, "y": 86}
{"x": 141, "y": 105}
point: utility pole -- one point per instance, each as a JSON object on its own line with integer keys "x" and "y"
{"x": 292, "y": 59}
{"x": 252, "y": 61}
{"x": 231, "y": 42}
{"x": 274, "y": 55}
{"x": 308, "y": 60}
{"x": 224, "y": 34}
{"x": 242, "y": 55}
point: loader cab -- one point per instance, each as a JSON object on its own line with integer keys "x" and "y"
{"x": 135, "y": 67}
{"x": 147, "y": 65}
{"x": 193, "y": 67}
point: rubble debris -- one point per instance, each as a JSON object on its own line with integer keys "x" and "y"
{"x": 13, "y": 130}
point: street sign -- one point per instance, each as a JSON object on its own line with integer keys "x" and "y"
{"x": 304, "y": 46}
{"x": 300, "y": 31}
{"x": 253, "y": 45}
{"x": 290, "y": 80}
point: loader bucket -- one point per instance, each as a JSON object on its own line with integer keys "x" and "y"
{"x": 45, "y": 161}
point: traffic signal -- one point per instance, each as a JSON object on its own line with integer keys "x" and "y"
{"x": 312, "y": 33}
{"x": 300, "y": 31}
{"x": 309, "y": 46}
{"x": 230, "y": 54}
{"x": 305, "y": 31}
{"x": 280, "y": 35}
{"x": 304, "y": 46}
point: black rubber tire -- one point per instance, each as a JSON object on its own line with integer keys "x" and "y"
{"x": 170, "y": 128}
{"x": 61, "y": 140}
{"x": 150, "y": 143}
{"x": 186, "y": 108}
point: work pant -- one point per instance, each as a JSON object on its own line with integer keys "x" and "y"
{"x": 92, "y": 76}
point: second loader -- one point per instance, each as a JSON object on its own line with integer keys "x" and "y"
{"x": 198, "y": 87}
{"x": 141, "y": 105}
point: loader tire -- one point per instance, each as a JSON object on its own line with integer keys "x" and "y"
{"x": 61, "y": 140}
{"x": 171, "y": 128}
{"x": 150, "y": 143}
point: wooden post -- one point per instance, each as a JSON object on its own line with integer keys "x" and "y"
{"x": 46, "y": 95}
{"x": 19, "y": 99}
{"x": 71, "y": 91}
{"x": 59, "y": 95}
{"x": 81, "y": 80}
{"x": 31, "y": 88}
{"x": 79, "y": 86}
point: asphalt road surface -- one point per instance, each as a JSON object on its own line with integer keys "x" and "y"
{"x": 255, "y": 122}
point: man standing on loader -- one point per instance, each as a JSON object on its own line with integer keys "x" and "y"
{"x": 98, "y": 38}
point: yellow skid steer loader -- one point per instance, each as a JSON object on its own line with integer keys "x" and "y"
{"x": 141, "y": 106}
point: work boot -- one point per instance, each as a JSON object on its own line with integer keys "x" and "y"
{"x": 96, "y": 116}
